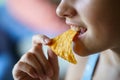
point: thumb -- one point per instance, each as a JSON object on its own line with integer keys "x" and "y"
{"x": 53, "y": 59}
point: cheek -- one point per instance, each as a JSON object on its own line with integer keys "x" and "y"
{"x": 99, "y": 38}
{"x": 101, "y": 31}
{"x": 98, "y": 34}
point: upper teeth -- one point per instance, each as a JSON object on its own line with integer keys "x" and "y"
{"x": 76, "y": 28}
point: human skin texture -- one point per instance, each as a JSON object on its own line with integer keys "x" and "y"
{"x": 100, "y": 18}
{"x": 99, "y": 23}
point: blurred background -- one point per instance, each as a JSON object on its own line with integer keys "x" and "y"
{"x": 19, "y": 21}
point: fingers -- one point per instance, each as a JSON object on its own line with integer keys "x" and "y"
{"x": 24, "y": 71}
{"x": 30, "y": 65}
{"x": 24, "y": 67}
{"x": 45, "y": 64}
{"x": 53, "y": 59}
{"x": 40, "y": 39}
{"x": 34, "y": 63}
{"x": 31, "y": 59}
{"x": 37, "y": 42}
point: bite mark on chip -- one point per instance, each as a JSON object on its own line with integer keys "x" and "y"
{"x": 61, "y": 45}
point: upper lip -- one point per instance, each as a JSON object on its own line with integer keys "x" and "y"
{"x": 73, "y": 24}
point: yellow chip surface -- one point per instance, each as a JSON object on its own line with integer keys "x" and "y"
{"x": 61, "y": 45}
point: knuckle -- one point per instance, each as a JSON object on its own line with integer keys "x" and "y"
{"x": 29, "y": 56}
{"x": 30, "y": 70}
{"x": 16, "y": 69}
{"x": 19, "y": 64}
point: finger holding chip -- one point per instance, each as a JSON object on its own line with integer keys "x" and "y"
{"x": 40, "y": 39}
{"x": 50, "y": 64}
{"x": 61, "y": 45}
{"x": 33, "y": 65}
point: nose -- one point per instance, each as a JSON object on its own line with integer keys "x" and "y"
{"x": 65, "y": 10}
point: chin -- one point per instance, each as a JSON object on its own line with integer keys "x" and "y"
{"x": 84, "y": 51}
{"x": 81, "y": 51}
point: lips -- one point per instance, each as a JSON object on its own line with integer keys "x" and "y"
{"x": 80, "y": 29}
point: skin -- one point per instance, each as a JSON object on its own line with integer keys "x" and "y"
{"x": 102, "y": 20}
{"x": 99, "y": 19}
{"x": 33, "y": 65}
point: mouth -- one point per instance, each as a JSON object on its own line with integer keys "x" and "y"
{"x": 80, "y": 30}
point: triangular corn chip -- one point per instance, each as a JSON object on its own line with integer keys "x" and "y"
{"x": 61, "y": 45}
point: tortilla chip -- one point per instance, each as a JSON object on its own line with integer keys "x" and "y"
{"x": 61, "y": 45}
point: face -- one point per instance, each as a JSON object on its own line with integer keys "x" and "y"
{"x": 99, "y": 24}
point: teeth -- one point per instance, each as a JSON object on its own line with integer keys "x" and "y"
{"x": 76, "y": 28}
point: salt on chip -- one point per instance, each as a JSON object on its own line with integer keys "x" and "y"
{"x": 61, "y": 45}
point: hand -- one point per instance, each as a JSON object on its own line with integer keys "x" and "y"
{"x": 33, "y": 65}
